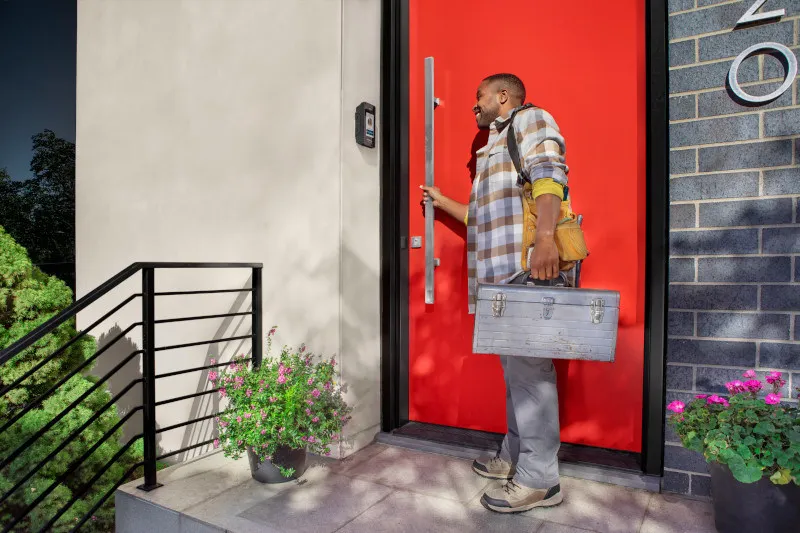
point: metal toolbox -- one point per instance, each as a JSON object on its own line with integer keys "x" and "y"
{"x": 548, "y": 322}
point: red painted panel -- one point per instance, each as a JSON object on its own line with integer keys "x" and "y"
{"x": 585, "y": 63}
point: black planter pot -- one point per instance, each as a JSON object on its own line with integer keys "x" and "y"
{"x": 760, "y": 507}
{"x": 267, "y": 472}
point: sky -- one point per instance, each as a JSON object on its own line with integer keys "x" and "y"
{"x": 37, "y": 76}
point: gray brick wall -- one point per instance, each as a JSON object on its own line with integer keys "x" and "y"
{"x": 734, "y": 235}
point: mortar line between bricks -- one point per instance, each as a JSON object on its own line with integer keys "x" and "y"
{"x": 722, "y": 228}
{"x": 758, "y": 297}
{"x": 728, "y": 144}
{"x": 761, "y": 183}
{"x": 726, "y": 256}
{"x": 716, "y": 59}
{"x": 746, "y": 312}
{"x": 730, "y": 283}
{"x": 743, "y": 84}
{"x": 761, "y": 66}
{"x": 694, "y": 332}
{"x": 736, "y": 199}
{"x": 743, "y": 113}
{"x": 728, "y": 31}
{"x": 717, "y": 338}
{"x": 696, "y": 174}
{"x": 796, "y": 31}
{"x": 761, "y": 240}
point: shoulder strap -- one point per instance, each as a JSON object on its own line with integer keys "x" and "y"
{"x": 513, "y": 148}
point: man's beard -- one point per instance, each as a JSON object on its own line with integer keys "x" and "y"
{"x": 487, "y": 116}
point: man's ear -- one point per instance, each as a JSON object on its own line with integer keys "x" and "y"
{"x": 502, "y": 96}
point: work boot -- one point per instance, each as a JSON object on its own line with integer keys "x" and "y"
{"x": 515, "y": 498}
{"x": 493, "y": 468}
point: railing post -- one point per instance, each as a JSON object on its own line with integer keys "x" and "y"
{"x": 258, "y": 319}
{"x": 149, "y": 376}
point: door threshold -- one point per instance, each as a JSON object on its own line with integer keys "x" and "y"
{"x": 582, "y": 462}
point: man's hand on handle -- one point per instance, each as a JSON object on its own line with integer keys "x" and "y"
{"x": 544, "y": 262}
{"x": 448, "y": 205}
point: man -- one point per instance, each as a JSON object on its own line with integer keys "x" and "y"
{"x": 527, "y": 460}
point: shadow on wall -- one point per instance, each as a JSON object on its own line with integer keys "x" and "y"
{"x": 210, "y": 404}
{"x": 116, "y": 352}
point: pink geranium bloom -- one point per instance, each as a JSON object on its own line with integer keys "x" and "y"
{"x": 213, "y": 361}
{"x": 310, "y": 381}
{"x": 281, "y": 379}
{"x": 315, "y": 419}
{"x": 328, "y": 386}
{"x": 772, "y": 399}
{"x": 308, "y": 411}
{"x": 222, "y": 392}
{"x": 750, "y": 374}
{"x": 249, "y": 393}
{"x": 753, "y": 385}
{"x": 273, "y": 399}
{"x": 772, "y": 377}
{"x": 717, "y": 400}
{"x": 239, "y": 419}
{"x": 311, "y": 439}
{"x": 676, "y": 406}
{"x": 316, "y": 393}
{"x": 263, "y": 431}
{"x": 216, "y": 443}
{"x": 212, "y": 376}
{"x": 701, "y": 396}
{"x": 247, "y": 415}
{"x": 735, "y": 387}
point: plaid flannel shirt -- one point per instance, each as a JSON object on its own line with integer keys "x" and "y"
{"x": 494, "y": 220}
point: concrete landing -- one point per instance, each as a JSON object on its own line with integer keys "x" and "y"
{"x": 385, "y": 489}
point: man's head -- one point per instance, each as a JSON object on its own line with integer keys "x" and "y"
{"x": 497, "y": 95}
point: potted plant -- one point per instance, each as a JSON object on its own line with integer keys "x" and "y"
{"x": 290, "y": 404}
{"x": 752, "y": 445}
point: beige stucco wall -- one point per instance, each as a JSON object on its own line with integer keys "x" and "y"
{"x": 222, "y": 130}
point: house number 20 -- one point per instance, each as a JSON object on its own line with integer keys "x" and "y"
{"x": 791, "y": 61}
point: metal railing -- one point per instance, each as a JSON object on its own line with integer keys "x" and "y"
{"x": 148, "y": 382}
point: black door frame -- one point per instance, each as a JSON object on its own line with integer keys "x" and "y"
{"x": 394, "y": 226}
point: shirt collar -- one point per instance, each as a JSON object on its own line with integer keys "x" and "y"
{"x": 501, "y": 122}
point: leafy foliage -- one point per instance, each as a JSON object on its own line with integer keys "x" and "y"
{"x": 28, "y": 298}
{"x": 40, "y": 212}
{"x": 755, "y": 437}
{"x": 290, "y": 401}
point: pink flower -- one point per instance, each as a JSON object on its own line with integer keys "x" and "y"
{"x": 315, "y": 419}
{"x": 261, "y": 382}
{"x": 239, "y": 380}
{"x": 327, "y": 386}
{"x": 213, "y": 361}
{"x": 701, "y": 396}
{"x": 281, "y": 379}
{"x": 273, "y": 399}
{"x": 308, "y": 411}
{"x": 222, "y": 392}
{"x": 311, "y": 439}
{"x": 735, "y": 387}
{"x": 772, "y": 377}
{"x": 249, "y": 393}
{"x": 216, "y": 443}
{"x": 281, "y": 369}
{"x": 750, "y": 374}
{"x": 247, "y": 415}
{"x": 239, "y": 419}
{"x": 281, "y": 430}
{"x": 310, "y": 402}
{"x": 261, "y": 389}
{"x": 315, "y": 393}
{"x": 714, "y": 399}
{"x": 753, "y": 385}
{"x": 223, "y": 424}
{"x": 773, "y": 399}
{"x": 310, "y": 381}
{"x": 271, "y": 332}
{"x": 239, "y": 442}
{"x": 302, "y": 348}
{"x": 336, "y": 413}
{"x": 304, "y": 439}
{"x": 676, "y": 406}
{"x": 263, "y": 431}
{"x": 212, "y": 376}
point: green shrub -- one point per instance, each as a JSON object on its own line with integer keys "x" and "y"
{"x": 28, "y": 298}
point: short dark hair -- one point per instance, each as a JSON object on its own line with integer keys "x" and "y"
{"x": 510, "y": 82}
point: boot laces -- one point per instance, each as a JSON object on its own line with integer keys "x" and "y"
{"x": 510, "y": 487}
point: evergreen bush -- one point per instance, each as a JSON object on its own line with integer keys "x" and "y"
{"x": 28, "y": 298}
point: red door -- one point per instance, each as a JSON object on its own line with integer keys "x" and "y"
{"x": 585, "y": 63}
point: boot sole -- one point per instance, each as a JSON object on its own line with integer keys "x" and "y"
{"x": 492, "y": 476}
{"x": 550, "y": 502}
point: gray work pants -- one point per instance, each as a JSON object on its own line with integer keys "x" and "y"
{"x": 533, "y": 437}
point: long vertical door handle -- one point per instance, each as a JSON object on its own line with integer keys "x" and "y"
{"x": 430, "y": 104}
